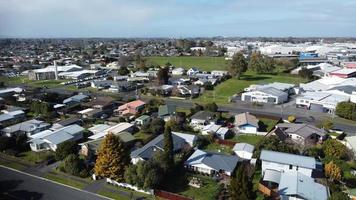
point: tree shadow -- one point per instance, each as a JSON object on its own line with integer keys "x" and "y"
{"x": 262, "y": 127}
{"x": 8, "y": 191}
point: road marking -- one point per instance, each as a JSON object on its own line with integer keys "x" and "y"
{"x": 45, "y": 179}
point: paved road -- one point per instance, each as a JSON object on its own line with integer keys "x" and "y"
{"x": 274, "y": 110}
{"x": 16, "y": 185}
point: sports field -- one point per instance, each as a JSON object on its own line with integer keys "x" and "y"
{"x": 204, "y": 63}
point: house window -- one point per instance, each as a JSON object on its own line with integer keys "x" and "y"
{"x": 290, "y": 166}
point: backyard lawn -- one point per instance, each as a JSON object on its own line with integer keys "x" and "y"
{"x": 266, "y": 124}
{"x": 250, "y": 139}
{"x": 208, "y": 191}
{"x": 218, "y": 148}
{"x": 204, "y": 63}
{"x": 228, "y": 88}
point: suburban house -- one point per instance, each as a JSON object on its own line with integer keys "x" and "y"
{"x": 50, "y": 139}
{"x": 67, "y": 122}
{"x": 211, "y": 163}
{"x": 178, "y": 71}
{"x": 243, "y": 150}
{"x": 351, "y": 144}
{"x": 285, "y": 162}
{"x": 89, "y": 148}
{"x": 265, "y": 95}
{"x": 289, "y": 176}
{"x": 303, "y": 134}
{"x": 116, "y": 130}
{"x": 29, "y": 128}
{"x": 246, "y": 123}
{"x": 76, "y": 99}
{"x": 167, "y": 112}
{"x": 131, "y": 108}
{"x": 142, "y": 120}
{"x": 10, "y": 91}
{"x": 201, "y": 118}
{"x": 193, "y": 71}
{"x": 10, "y": 117}
{"x": 295, "y": 185}
{"x": 188, "y": 90}
{"x": 219, "y": 73}
{"x": 180, "y": 141}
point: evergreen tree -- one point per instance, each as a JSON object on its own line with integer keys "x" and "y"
{"x": 168, "y": 157}
{"x": 163, "y": 76}
{"x": 241, "y": 184}
{"x": 112, "y": 158}
{"x": 238, "y": 65}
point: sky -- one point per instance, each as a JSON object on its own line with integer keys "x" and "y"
{"x": 177, "y": 18}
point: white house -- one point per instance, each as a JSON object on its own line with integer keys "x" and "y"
{"x": 211, "y": 163}
{"x": 351, "y": 144}
{"x": 246, "y": 123}
{"x": 219, "y": 73}
{"x": 192, "y": 71}
{"x": 244, "y": 150}
{"x": 178, "y": 71}
{"x": 49, "y": 139}
{"x": 284, "y": 162}
{"x": 265, "y": 95}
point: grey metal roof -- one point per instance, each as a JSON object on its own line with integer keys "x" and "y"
{"x": 289, "y": 159}
{"x": 272, "y": 91}
{"x": 147, "y": 151}
{"x": 295, "y": 183}
{"x": 272, "y": 176}
{"x": 243, "y": 147}
{"x": 63, "y": 134}
{"x": 5, "y": 117}
{"x": 213, "y": 160}
{"x": 203, "y": 115}
{"x": 345, "y": 88}
{"x": 303, "y": 130}
{"x": 26, "y": 126}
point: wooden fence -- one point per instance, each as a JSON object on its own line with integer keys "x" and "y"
{"x": 169, "y": 195}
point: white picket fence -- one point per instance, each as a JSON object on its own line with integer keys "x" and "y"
{"x": 126, "y": 185}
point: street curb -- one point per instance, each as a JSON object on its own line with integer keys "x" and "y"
{"x": 45, "y": 179}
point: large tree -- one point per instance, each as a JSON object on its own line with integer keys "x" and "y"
{"x": 332, "y": 171}
{"x": 241, "y": 184}
{"x": 346, "y": 110}
{"x": 112, "y": 158}
{"x": 145, "y": 174}
{"x": 168, "y": 154}
{"x": 162, "y": 75}
{"x": 238, "y": 65}
{"x": 261, "y": 64}
{"x": 65, "y": 149}
{"x": 334, "y": 149}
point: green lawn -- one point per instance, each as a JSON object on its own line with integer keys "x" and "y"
{"x": 228, "y": 88}
{"x": 36, "y": 157}
{"x": 204, "y": 63}
{"x": 112, "y": 195}
{"x": 25, "y": 80}
{"x": 267, "y": 124}
{"x": 144, "y": 137}
{"x": 250, "y": 139}
{"x": 67, "y": 181}
{"x": 208, "y": 191}
{"x": 218, "y": 148}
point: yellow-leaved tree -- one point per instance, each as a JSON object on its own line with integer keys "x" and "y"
{"x": 112, "y": 158}
{"x": 332, "y": 171}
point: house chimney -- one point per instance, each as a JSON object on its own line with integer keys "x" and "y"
{"x": 55, "y": 70}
